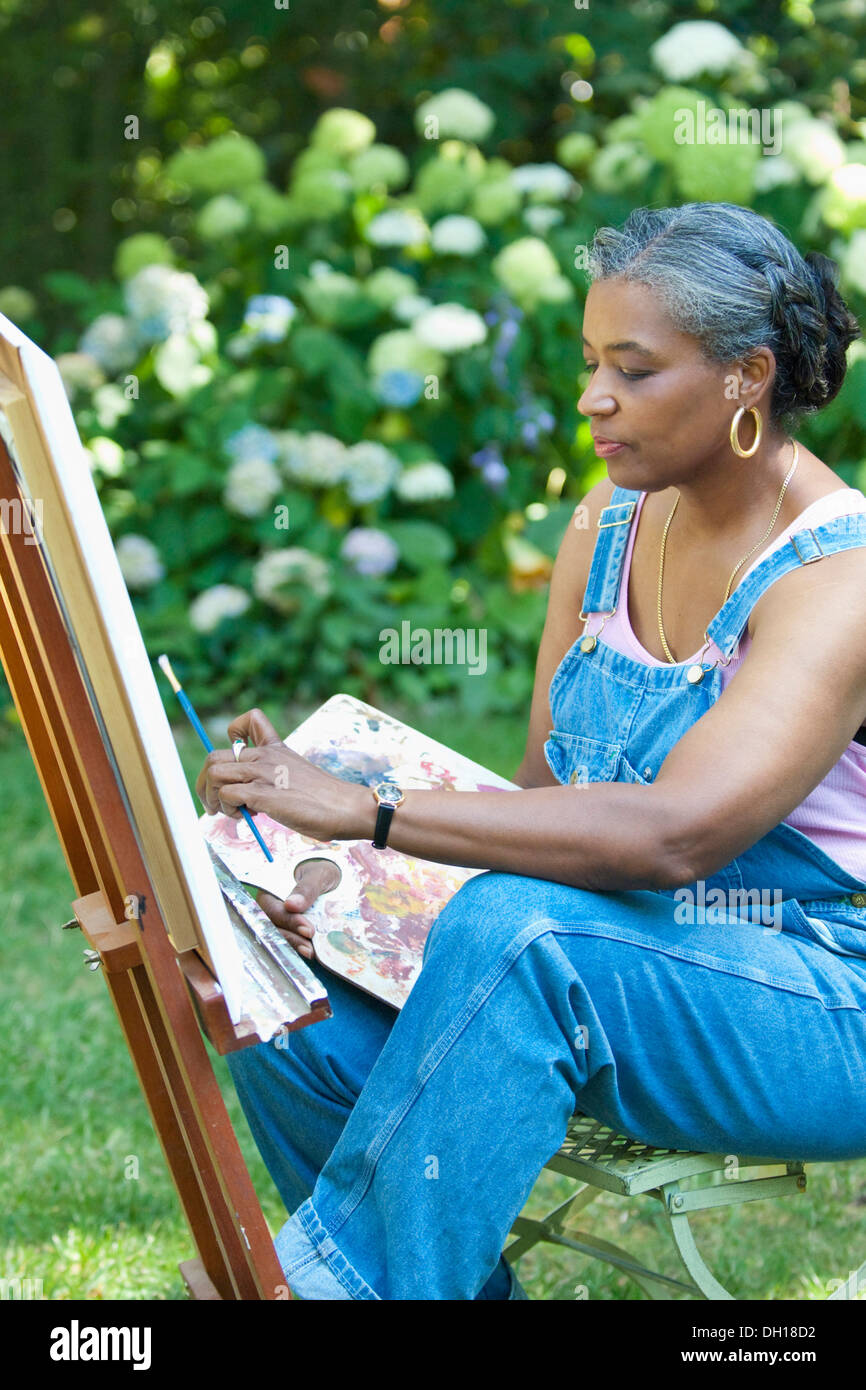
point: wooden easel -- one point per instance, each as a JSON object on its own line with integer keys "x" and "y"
{"x": 162, "y": 996}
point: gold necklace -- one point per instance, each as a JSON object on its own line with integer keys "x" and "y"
{"x": 669, "y": 654}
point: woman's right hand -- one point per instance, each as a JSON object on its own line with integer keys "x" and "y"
{"x": 312, "y": 878}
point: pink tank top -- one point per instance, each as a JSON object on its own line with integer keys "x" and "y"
{"x": 833, "y": 815}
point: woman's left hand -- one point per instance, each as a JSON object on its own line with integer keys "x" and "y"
{"x": 272, "y": 778}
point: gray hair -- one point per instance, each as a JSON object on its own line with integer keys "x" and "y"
{"x": 730, "y": 278}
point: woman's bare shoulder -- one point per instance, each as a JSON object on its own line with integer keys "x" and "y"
{"x": 578, "y": 542}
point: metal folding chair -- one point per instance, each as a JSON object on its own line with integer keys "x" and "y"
{"x": 603, "y": 1161}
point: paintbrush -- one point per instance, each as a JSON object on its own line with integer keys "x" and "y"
{"x": 196, "y": 723}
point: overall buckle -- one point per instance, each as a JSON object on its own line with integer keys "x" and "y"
{"x": 811, "y": 558}
{"x": 624, "y": 520}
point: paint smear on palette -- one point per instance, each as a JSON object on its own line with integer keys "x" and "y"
{"x": 372, "y": 927}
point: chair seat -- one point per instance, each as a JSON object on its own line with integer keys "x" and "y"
{"x": 599, "y": 1155}
{"x": 602, "y": 1159}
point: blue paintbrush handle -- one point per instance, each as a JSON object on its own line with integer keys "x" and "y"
{"x": 199, "y": 728}
{"x": 194, "y": 720}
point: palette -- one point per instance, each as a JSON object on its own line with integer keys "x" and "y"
{"x": 372, "y": 927}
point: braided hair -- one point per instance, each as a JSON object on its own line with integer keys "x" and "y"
{"x": 734, "y": 281}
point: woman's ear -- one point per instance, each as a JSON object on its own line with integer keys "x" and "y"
{"x": 757, "y": 373}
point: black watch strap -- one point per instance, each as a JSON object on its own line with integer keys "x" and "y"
{"x": 383, "y": 825}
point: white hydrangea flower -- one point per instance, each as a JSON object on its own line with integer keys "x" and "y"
{"x": 457, "y": 236}
{"x": 113, "y": 341}
{"x": 530, "y": 272}
{"x": 775, "y": 171}
{"x": 164, "y": 301}
{"x": 317, "y": 459}
{"x": 813, "y": 147}
{"x": 556, "y": 290}
{"x": 342, "y": 131}
{"x": 268, "y": 316}
{"x": 843, "y": 198}
{"x": 450, "y": 328}
{"x": 853, "y": 262}
{"x": 105, "y": 456}
{"x": 409, "y": 306}
{"x": 370, "y": 551}
{"x": 139, "y": 562}
{"x": 111, "y": 404}
{"x": 251, "y": 486}
{"x": 694, "y": 47}
{"x": 289, "y": 445}
{"x": 548, "y": 183}
{"x": 379, "y": 165}
{"x": 281, "y": 577}
{"x": 386, "y": 286}
{"x": 222, "y": 216}
{"x": 207, "y": 611}
{"x": 397, "y": 227}
{"x": 458, "y": 114}
{"x": 252, "y": 442}
{"x": 623, "y": 164}
{"x": 539, "y": 219}
{"x": 370, "y": 472}
{"x": 79, "y": 372}
{"x": 425, "y": 482}
{"x": 177, "y": 366}
{"x": 401, "y": 350}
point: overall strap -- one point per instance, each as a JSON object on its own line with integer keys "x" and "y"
{"x": 605, "y": 571}
{"x": 802, "y": 548}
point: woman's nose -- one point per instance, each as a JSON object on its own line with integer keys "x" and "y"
{"x": 595, "y": 402}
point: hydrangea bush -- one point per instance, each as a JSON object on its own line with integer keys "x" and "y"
{"x": 319, "y": 412}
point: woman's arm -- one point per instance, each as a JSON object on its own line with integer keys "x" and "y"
{"x": 474, "y": 829}
{"x": 773, "y": 735}
{"x": 761, "y": 748}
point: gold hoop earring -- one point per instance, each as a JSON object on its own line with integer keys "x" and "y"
{"x": 735, "y": 432}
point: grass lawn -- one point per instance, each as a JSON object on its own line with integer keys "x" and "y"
{"x": 88, "y": 1207}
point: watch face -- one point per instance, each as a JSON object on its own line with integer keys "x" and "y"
{"x": 388, "y": 792}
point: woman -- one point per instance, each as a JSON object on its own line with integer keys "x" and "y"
{"x": 673, "y": 935}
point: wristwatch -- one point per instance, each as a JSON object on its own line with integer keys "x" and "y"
{"x": 389, "y": 797}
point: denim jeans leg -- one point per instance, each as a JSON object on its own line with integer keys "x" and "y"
{"x": 297, "y": 1093}
{"x": 470, "y": 1096}
{"x": 535, "y": 1000}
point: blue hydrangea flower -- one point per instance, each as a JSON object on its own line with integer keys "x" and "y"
{"x": 268, "y": 316}
{"x": 163, "y": 301}
{"x": 399, "y": 388}
{"x": 370, "y": 551}
{"x": 252, "y": 442}
{"x": 491, "y": 453}
{"x": 495, "y": 474}
{"x": 535, "y": 421}
{"x": 493, "y": 468}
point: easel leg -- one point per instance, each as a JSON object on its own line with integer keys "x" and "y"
{"x": 237, "y": 1257}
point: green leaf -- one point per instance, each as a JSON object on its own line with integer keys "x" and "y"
{"x": 547, "y": 531}
{"x": 188, "y": 472}
{"x": 314, "y": 350}
{"x": 206, "y": 527}
{"x": 471, "y": 372}
{"x": 421, "y": 543}
{"x": 68, "y": 286}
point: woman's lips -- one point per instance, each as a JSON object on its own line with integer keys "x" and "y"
{"x": 605, "y": 448}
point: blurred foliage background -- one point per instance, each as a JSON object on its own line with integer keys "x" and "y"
{"x": 313, "y": 276}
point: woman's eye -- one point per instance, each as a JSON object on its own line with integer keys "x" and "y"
{"x": 629, "y": 376}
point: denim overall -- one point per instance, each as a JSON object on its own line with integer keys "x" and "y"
{"x": 703, "y": 1017}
